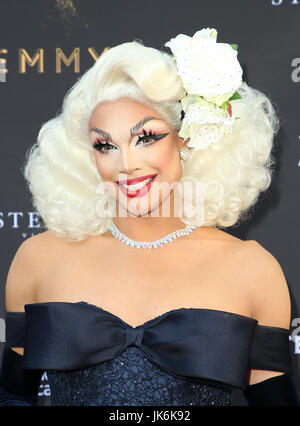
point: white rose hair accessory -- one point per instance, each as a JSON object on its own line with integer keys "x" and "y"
{"x": 210, "y": 73}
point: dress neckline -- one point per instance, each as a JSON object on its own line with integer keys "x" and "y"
{"x": 151, "y": 320}
{"x": 163, "y": 315}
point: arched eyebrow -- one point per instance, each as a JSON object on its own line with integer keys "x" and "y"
{"x": 133, "y": 130}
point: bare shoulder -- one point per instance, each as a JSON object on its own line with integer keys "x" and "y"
{"x": 261, "y": 276}
{"x": 23, "y": 275}
{"x": 271, "y": 304}
{"x": 212, "y": 233}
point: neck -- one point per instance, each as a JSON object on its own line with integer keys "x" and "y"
{"x": 147, "y": 228}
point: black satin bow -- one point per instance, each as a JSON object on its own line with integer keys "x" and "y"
{"x": 196, "y": 344}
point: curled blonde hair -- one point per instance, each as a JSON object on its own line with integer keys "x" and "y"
{"x": 60, "y": 167}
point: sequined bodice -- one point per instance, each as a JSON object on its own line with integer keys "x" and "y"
{"x": 130, "y": 379}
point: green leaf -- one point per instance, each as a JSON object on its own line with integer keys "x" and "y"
{"x": 236, "y": 95}
{"x": 224, "y": 106}
{"x": 234, "y": 46}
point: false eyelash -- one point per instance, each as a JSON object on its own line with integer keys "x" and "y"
{"x": 99, "y": 145}
{"x": 146, "y": 135}
{"x": 152, "y": 136}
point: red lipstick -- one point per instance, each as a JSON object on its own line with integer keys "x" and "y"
{"x": 139, "y": 192}
{"x": 135, "y": 180}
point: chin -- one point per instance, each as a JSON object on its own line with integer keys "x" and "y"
{"x": 142, "y": 212}
{"x": 142, "y": 206}
{"x": 156, "y": 206}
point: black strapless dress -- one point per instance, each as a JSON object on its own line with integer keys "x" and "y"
{"x": 186, "y": 356}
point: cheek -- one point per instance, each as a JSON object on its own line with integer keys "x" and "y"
{"x": 165, "y": 156}
{"x": 105, "y": 168}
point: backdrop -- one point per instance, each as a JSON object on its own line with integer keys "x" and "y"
{"x": 46, "y": 45}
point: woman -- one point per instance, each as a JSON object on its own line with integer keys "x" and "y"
{"x": 185, "y": 322}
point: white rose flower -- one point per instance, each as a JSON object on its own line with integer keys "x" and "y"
{"x": 206, "y": 68}
{"x": 205, "y": 123}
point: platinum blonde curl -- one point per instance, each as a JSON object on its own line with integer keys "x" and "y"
{"x": 60, "y": 168}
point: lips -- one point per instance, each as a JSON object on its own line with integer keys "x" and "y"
{"x": 135, "y": 180}
{"x": 137, "y": 192}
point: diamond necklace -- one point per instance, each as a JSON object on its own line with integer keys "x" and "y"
{"x": 149, "y": 244}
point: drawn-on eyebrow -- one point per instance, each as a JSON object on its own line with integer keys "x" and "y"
{"x": 133, "y": 130}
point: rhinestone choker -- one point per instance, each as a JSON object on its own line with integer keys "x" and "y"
{"x": 150, "y": 244}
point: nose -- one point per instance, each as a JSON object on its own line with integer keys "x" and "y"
{"x": 128, "y": 161}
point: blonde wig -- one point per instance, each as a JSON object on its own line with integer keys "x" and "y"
{"x": 60, "y": 167}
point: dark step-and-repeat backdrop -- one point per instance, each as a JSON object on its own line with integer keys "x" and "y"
{"x": 45, "y": 45}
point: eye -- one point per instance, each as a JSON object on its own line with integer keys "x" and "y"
{"x": 150, "y": 138}
{"x": 147, "y": 140}
{"x": 104, "y": 148}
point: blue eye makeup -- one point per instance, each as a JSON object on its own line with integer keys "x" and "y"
{"x": 146, "y": 140}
